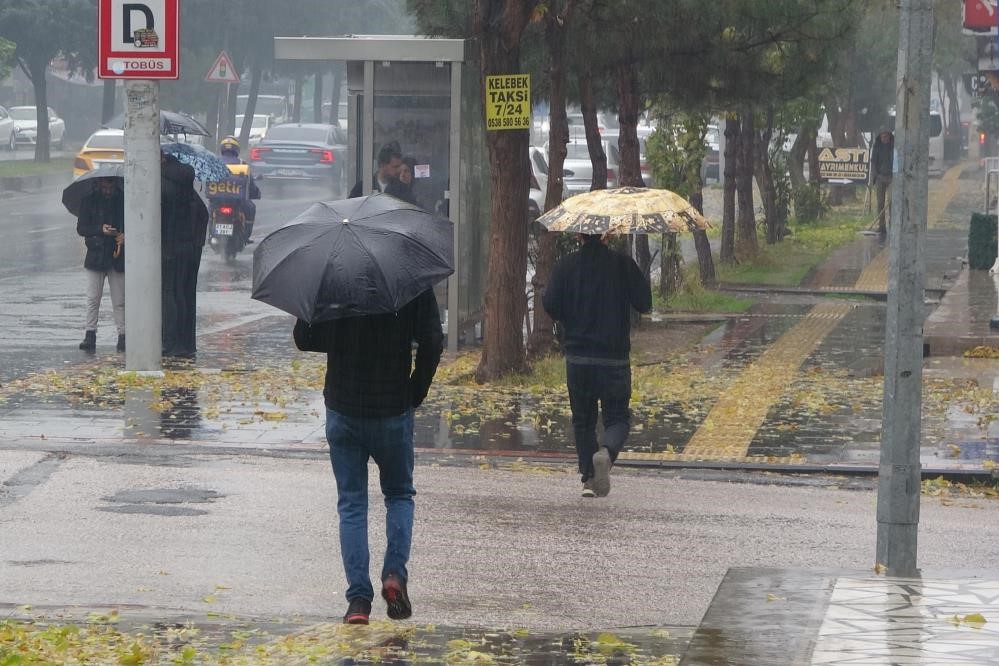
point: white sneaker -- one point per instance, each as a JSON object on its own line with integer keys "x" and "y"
{"x": 601, "y": 472}
{"x": 588, "y": 488}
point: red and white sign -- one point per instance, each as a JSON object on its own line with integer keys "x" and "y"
{"x": 222, "y": 71}
{"x": 138, "y": 40}
{"x": 980, "y": 17}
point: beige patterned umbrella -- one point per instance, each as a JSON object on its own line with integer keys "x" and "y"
{"x": 626, "y": 210}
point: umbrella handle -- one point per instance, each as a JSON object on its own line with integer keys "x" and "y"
{"x": 117, "y": 250}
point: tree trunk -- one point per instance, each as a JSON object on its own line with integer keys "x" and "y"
{"x": 630, "y": 168}
{"x": 212, "y": 120}
{"x": 107, "y": 101}
{"x": 727, "y": 251}
{"x": 812, "y": 142}
{"x": 542, "y": 337}
{"x": 317, "y": 97}
{"x": 499, "y": 26}
{"x": 765, "y": 180}
{"x": 746, "y": 227}
{"x": 251, "y": 105}
{"x": 796, "y": 160}
{"x": 35, "y": 71}
{"x": 296, "y": 111}
{"x": 594, "y": 146}
{"x": 705, "y": 262}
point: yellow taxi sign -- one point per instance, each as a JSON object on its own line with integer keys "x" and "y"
{"x": 508, "y": 102}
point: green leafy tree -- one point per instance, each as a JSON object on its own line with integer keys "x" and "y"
{"x": 41, "y": 31}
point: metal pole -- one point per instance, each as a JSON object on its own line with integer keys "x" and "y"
{"x": 143, "y": 280}
{"x": 899, "y": 472}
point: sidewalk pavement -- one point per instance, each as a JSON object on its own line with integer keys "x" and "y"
{"x": 232, "y": 528}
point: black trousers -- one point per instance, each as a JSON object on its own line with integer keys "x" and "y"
{"x": 594, "y": 389}
{"x": 180, "y": 275}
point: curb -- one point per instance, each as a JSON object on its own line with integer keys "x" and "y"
{"x": 33, "y": 182}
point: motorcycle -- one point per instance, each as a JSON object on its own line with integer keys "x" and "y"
{"x": 227, "y": 230}
{"x": 229, "y": 204}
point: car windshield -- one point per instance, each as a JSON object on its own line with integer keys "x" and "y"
{"x": 23, "y": 113}
{"x": 107, "y": 141}
{"x": 293, "y": 133}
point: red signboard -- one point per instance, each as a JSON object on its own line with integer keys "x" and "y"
{"x": 138, "y": 39}
{"x": 980, "y": 17}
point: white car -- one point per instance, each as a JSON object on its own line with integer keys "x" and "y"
{"x": 8, "y": 133}
{"x": 27, "y": 127}
{"x": 261, "y": 123}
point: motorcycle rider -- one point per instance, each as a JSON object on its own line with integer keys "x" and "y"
{"x": 229, "y": 151}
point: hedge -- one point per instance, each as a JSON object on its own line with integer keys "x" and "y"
{"x": 982, "y": 241}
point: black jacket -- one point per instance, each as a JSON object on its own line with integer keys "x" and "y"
{"x": 177, "y": 223}
{"x": 369, "y": 365}
{"x": 97, "y": 210}
{"x": 591, "y": 293}
{"x": 358, "y": 189}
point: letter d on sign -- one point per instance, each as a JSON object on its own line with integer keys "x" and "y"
{"x": 126, "y": 25}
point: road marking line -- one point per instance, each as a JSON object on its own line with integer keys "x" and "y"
{"x": 731, "y": 425}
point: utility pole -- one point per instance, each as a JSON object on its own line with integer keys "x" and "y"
{"x": 143, "y": 279}
{"x": 899, "y": 472}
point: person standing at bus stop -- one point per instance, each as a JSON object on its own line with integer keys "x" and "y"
{"x": 882, "y": 167}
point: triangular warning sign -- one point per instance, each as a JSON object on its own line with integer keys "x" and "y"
{"x": 223, "y": 71}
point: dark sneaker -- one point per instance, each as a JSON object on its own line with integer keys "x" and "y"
{"x": 89, "y": 341}
{"x": 588, "y": 488}
{"x": 395, "y": 595}
{"x": 601, "y": 472}
{"x": 357, "y": 611}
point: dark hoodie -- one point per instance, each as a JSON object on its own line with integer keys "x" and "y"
{"x": 883, "y": 155}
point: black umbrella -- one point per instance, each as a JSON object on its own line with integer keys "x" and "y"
{"x": 171, "y": 122}
{"x": 86, "y": 183}
{"x": 339, "y": 259}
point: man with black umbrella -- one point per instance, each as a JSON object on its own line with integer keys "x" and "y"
{"x": 372, "y": 388}
{"x": 101, "y": 222}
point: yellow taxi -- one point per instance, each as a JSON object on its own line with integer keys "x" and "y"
{"x": 105, "y": 146}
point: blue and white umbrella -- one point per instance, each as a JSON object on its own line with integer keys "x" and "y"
{"x": 208, "y": 167}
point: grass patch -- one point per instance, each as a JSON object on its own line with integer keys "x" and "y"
{"x": 31, "y": 168}
{"x": 695, "y": 297}
{"x": 786, "y": 264}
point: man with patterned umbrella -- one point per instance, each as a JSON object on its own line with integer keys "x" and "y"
{"x": 591, "y": 295}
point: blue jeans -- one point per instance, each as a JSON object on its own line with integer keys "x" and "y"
{"x": 389, "y": 441}
{"x": 595, "y": 388}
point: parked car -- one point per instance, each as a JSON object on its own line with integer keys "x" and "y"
{"x": 301, "y": 151}
{"x": 643, "y": 131}
{"x": 261, "y": 123}
{"x": 8, "y": 131}
{"x": 539, "y": 178}
{"x": 577, "y": 172}
{"x": 27, "y": 126}
{"x": 105, "y": 146}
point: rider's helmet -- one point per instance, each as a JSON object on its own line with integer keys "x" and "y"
{"x": 229, "y": 146}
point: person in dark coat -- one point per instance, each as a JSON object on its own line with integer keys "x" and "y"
{"x": 389, "y": 162}
{"x": 372, "y": 388}
{"x": 101, "y": 222}
{"x": 178, "y": 254}
{"x": 591, "y": 295}
{"x": 402, "y": 187}
{"x": 882, "y": 170}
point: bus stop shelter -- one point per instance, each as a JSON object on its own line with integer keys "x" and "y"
{"x": 421, "y": 93}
